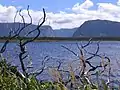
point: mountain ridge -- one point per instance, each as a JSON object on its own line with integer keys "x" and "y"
{"x": 46, "y": 30}
{"x": 91, "y": 28}
{"x": 98, "y": 28}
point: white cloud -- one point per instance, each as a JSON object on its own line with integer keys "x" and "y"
{"x": 6, "y": 13}
{"x": 79, "y": 13}
{"x": 118, "y": 3}
{"x": 80, "y": 7}
{"x": 109, "y": 8}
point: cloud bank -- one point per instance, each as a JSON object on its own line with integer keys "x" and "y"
{"x": 78, "y": 14}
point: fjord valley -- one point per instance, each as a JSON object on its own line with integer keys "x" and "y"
{"x": 97, "y": 29}
{"x": 95, "y": 38}
{"x": 59, "y": 45}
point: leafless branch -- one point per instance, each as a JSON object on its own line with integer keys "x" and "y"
{"x": 70, "y": 50}
{"x": 85, "y": 61}
{"x": 39, "y": 71}
{"x": 23, "y": 19}
{"x": 22, "y": 44}
{"x": 89, "y": 42}
{"x": 4, "y": 46}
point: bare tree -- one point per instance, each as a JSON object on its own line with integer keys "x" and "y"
{"x": 85, "y": 72}
{"x": 23, "y": 42}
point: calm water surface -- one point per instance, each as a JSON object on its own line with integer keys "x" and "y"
{"x": 53, "y": 52}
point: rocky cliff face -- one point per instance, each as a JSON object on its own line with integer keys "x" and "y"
{"x": 46, "y": 31}
{"x": 5, "y": 28}
{"x": 98, "y": 28}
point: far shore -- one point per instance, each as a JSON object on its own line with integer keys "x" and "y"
{"x": 54, "y": 39}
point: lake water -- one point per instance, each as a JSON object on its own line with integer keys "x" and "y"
{"x": 52, "y": 52}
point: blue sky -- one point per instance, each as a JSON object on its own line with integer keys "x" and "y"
{"x": 61, "y": 13}
{"x": 50, "y": 5}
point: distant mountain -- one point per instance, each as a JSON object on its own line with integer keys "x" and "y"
{"x": 64, "y": 32}
{"x": 46, "y": 30}
{"x": 5, "y": 28}
{"x": 98, "y": 28}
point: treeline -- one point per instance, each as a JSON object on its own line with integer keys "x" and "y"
{"x": 64, "y": 38}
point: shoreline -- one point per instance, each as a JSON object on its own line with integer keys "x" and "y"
{"x": 54, "y": 39}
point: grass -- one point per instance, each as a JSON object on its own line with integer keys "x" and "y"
{"x": 11, "y": 80}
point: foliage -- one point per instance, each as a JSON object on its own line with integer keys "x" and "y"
{"x": 9, "y": 80}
